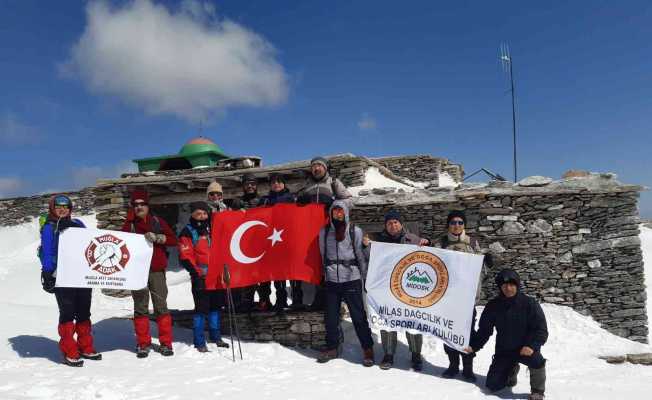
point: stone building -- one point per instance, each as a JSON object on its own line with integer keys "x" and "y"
{"x": 574, "y": 241}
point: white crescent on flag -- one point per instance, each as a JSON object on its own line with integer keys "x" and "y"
{"x": 234, "y": 246}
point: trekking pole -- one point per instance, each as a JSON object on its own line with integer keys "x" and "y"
{"x": 227, "y": 281}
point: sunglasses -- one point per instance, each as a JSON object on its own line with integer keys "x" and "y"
{"x": 453, "y": 223}
{"x": 140, "y": 204}
{"x": 66, "y": 206}
{"x": 215, "y": 193}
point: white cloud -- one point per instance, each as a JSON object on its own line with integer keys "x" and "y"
{"x": 186, "y": 62}
{"x": 366, "y": 122}
{"x": 88, "y": 175}
{"x": 15, "y": 132}
{"x": 10, "y": 186}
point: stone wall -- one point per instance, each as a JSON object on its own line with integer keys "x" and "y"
{"x": 574, "y": 242}
{"x": 422, "y": 168}
{"x": 293, "y": 328}
{"x": 18, "y": 210}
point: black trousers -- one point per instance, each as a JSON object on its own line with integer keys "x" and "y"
{"x": 207, "y": 300}
{"x": 453, "y": 355}
{"x": 351, "y": 294}
{"x": 74, "y": 304}
{"x": 502, "y": 365}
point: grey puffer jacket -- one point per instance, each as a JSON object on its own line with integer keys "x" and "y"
{"x": 313, "y": 190}
{"x": 345, "y": 260}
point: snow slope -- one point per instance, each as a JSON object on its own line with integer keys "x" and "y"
{"x": 30, "y": 368}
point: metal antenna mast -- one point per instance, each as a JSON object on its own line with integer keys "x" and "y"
{"x": 507, "y": 61}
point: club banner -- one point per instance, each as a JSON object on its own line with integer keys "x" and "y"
{"x": 94, "y": 258}
{"x": 423, "y": 290}
{"x": 266, "y": 244}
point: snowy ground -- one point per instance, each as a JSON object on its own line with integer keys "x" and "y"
{"x": 30, "y": 368}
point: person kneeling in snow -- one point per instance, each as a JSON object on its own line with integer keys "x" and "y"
{"x": 74, "y": 303}
{"x": 522, "y": 330}
{"x": 345, "y": 268}
{"x": 194, "y": 252}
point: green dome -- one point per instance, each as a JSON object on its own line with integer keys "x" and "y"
{"x": 199, "y": 145}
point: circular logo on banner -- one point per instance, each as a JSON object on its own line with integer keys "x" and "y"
{"x": 107, "y": 254}
{"x": 419, "y": 279}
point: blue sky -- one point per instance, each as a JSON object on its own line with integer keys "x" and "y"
{"x": 289, "y": 80}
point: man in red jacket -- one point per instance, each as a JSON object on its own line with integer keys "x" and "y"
{"x": 158, "y": 232}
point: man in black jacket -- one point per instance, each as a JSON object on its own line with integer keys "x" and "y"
{"x": 522, "y": 330}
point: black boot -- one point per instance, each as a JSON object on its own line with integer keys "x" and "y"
{"x": 467, "y": 368}
{"x": 387, "y": 362}
{"x": 417, "y": 362}
{"x": 453, "y": 366}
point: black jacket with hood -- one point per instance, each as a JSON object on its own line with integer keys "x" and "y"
{"x": 519, "y": 320}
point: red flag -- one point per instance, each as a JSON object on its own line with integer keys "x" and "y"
{"x": 266, "y": 244}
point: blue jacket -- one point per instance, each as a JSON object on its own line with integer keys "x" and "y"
{"x": 50, "y": 244}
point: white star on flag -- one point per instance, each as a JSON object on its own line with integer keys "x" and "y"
{"x": 276, "y": 236}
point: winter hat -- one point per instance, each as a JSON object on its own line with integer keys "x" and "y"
{"x": 508, "y": 275}
{"x": 456, "y": 214}
{"x": 214, "y": 187}
{"x": 276, "y": 178}
{"x": 393, "y": 214}
{"x": 248, "y": 178}
{"x": 141, "y": 195}
{"x": 320, "y": 160}
{"x": 199, "y": 205}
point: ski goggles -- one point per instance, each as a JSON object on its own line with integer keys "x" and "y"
{"x": 62, "y": 201}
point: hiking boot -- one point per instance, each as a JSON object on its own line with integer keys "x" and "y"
{"x": 73, "y": 362}
{"x": 417, "y": 362}
{"x": 388, "y": 362}
{"x": 143, "y": 351}
{"x": 368, "y": 357}
{"x": 536, "y": 396}
{"x": 327, "y": 355}
{"x": 202, "y": 349}
{"x": 91, "y": 356}
{"x": 451, "y": 372}
{"x": 467, "y": 370}
{"x": 221, "y": 343}
{"x": 512, "y": 379}
{"x": 166, "y": 351}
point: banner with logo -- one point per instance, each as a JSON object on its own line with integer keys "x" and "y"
{"x": 94, "y": 258}
{"x": 423, "y": 290}
{"x": 266, "y": 244}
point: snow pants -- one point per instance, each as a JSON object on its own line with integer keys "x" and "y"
{"x": 158, "y": 288}
{"x": 74, "y": 304}
{"x": 351, "y": 294}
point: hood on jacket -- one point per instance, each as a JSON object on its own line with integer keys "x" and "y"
{"x": 508, "y": 275}
{"x": 343, "y": 205}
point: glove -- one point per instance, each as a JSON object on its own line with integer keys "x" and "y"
{"x": 48, "y": 281}
{"x": 489, "y": 260}
{"x": 198, "y": 283}
{"x": 160, "y": 238}
{"x": 150, "y": 237}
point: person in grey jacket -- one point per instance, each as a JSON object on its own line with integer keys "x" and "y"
{"x": 345, "y": 268}
{"x": 394, "y": 232}
{"x": 321, "y": 187}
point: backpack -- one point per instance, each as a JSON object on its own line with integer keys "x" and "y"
{"x": 42, "y": 221}
{"x": 194, "y": 235}
{"x": 351, "y": 237}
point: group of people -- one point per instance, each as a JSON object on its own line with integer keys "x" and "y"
{"x": 517, "y": 318}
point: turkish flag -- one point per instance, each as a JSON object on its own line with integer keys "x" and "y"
{"x": 266, "y": 244}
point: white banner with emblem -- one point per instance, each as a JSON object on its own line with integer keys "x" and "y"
{"x": 423, "y": 290}
{"x": 94, "y": 258}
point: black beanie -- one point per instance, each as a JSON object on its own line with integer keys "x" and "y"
{"x": 199, "y": 205}
{"x": 456, "y": 214}
{"x": 393, "y": 214}
{"x": 507, "y": 275}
